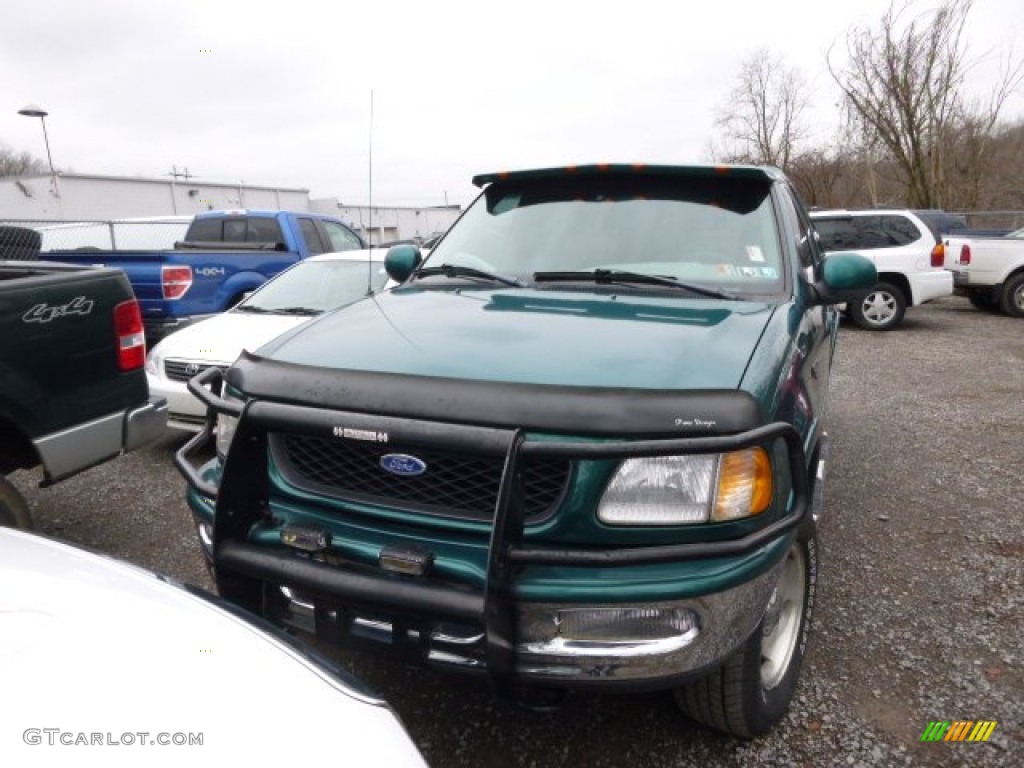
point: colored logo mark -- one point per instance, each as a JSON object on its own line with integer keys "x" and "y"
{"x": 958, "y": 730}
{"x": 402, "y": 464}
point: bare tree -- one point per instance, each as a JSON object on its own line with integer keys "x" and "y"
{"x": 761, "y": 122}
{"x": 904, "y": 90}
{"x": 19, "y": 164}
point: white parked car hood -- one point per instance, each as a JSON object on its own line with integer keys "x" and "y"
{"x": 220, "y": 339}
{"x": 90, "y": 645}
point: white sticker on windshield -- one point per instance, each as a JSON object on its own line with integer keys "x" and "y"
{"x": 754, "y": 253}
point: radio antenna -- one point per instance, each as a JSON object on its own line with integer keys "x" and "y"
{"x": 369, "y": 218}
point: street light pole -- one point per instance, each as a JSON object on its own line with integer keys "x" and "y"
{"x": 33, "y": 110}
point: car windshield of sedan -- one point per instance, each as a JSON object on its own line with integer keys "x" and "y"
{"x": 317, "y": 286}
{"x": 716, "y": 232}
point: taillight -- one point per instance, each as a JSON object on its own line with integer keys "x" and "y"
{"x": 175, "y": 280}
{"x": 131, "y": 338}
{"x": 939, "y": 255}
{"x": 965, "y": 254}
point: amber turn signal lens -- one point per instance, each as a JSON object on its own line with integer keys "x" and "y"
{"x": 744, "y": 484}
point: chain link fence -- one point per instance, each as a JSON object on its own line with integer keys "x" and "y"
{"x": 994, "y": 220}
{"x": 26, "y": 239}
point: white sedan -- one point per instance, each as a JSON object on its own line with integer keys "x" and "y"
{"x": 104, "y": 663}
{"x": 309, "y": 288}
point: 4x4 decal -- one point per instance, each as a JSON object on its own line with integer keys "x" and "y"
{"x": 43, "y": 313}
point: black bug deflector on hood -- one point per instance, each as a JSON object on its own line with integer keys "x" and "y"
{"x": 609, "y": 411}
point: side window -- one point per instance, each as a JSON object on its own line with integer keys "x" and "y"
{"x": 311, "y": 236}
{"x": 341, "y": 238}
{"x": 870, "y": 233}
{"x": 901, "y": 230}
{"x": 836, "y": 234}
{"x": 807, "y": 246}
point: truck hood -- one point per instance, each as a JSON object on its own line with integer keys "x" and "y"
{"x": 547, "y": 337}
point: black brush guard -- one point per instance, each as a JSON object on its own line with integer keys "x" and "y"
{"x": 242, "y": 499}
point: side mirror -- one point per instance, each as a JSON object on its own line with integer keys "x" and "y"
{"x": 401, "y": 261}
{"x": 844, "y": 277}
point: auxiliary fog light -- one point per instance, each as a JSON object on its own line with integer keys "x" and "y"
{"x": 627, "y": 625}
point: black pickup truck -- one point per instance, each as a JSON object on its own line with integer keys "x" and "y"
{"x": 73, "y": 391}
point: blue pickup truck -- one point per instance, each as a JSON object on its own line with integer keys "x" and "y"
{"x": 224, "y": 256}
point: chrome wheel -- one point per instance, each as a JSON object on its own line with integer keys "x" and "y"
{"x": 879, "y": 307}
{"x": 783, "y": 619}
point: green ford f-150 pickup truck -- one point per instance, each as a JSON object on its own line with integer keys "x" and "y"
{"x": 582, "y": 444}
{"x": 73, "y": 391}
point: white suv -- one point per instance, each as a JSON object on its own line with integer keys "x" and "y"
{"x": 907, "y": 253}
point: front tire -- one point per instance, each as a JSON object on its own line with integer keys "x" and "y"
{"x": 14, "y": 511}
{"x": 1012, "y": 299}
{"x": 881, "y": 309}
{"x": 752, "y": 690}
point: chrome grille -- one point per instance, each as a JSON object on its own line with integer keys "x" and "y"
{"x": 455, "y": 484}
{"x": 183, "y": 370}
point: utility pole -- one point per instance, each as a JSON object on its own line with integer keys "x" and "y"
{"x": 175, "y": 174}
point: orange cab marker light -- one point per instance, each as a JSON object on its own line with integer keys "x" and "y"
{"x": 722, "y": 169}
{"x": 638, "y": 166}
{"x": 602, "y": 166}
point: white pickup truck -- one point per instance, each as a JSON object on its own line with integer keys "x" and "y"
{"x": 989, "y": 270}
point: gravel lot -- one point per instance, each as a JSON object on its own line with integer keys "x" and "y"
{"x": 920, "y": 611}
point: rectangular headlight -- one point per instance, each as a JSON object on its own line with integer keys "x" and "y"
{"x": 663, "y": 490}
{"x": 226, "y": 427}
{"x": 683, "y": 490}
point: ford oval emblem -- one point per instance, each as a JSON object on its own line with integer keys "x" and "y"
{"x": 402, "y": 464}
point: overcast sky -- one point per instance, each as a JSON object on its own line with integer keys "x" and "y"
{"x": 278, "y": 93}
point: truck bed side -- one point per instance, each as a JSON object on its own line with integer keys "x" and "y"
{"x": 59, "y": 362}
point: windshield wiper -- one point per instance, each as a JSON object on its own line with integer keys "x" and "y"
{"x": 252, "y": 308}
{"x": 455, "y": 270}
{"x": 296, "y": 311}
{"x": 609, "y": 276}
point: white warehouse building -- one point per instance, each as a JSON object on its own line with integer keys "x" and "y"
{"x": 386, "y": 224}
{"x": 41, "y": 199}
{"x": 80, "y": 196}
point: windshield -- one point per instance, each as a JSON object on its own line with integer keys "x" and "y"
{"x": 717, "y": 232}
{"x": 317, "y": 286}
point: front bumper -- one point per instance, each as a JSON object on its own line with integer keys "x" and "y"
{"x": 184, "y": 411}
{"x": 493, "y": 629}
{"x": 545, "y": 655}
